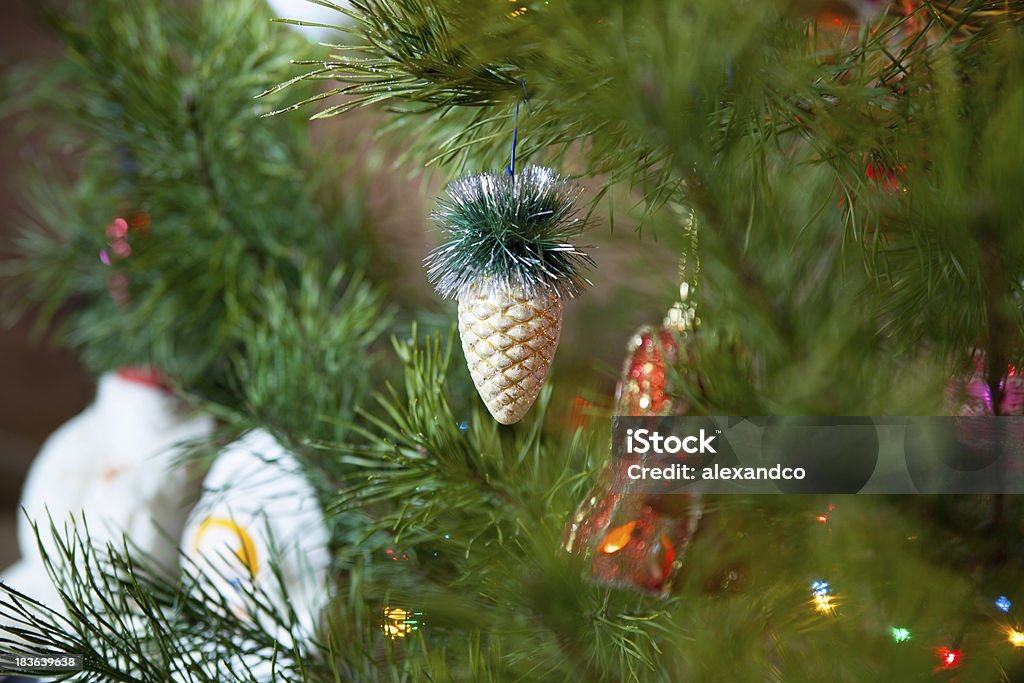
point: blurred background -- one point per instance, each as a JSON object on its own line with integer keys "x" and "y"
{"x": 42, "y": 386}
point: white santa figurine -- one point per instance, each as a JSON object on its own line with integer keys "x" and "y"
{"x": 259, "y": 512}
{"x": 115, "y": 465}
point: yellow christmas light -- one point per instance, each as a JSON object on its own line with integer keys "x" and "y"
{"x": 518, "y": 11}
{"x": 824, "y": 604}
{"x": 1015, "y": 637}
{"x": 398, "y": 622}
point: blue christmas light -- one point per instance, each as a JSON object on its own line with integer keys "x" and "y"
{"x": 1003, "y": 603}
{"x": 820, "y": 588}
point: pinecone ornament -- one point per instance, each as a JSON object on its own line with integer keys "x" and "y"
{"x": 509, "y": 262}
{"x": 509, "y": 339}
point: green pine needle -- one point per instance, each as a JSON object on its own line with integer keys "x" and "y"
{"x": 509, "y": 231}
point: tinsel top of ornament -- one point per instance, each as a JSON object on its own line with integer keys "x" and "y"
{"x": 509, "y": 230}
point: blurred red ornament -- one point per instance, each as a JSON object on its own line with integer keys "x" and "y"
{"x": 635, "y": 539}
{"x": 632, "y": 540}
{"x": 644, "y": 387}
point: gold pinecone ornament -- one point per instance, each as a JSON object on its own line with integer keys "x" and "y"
{"x": 509, "y": 263}
{"x": 509, "y": 339}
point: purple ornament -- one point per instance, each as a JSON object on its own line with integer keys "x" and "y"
{"x": 973, "y": 396}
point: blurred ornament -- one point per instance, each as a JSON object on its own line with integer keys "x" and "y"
{"x": 313, "y": 13}
{"x": 637, "y": 540}
{"x": 259, "y": 529}
{"x": 116, "y": 465}
{"x": 633, "y": 540}
{"x": 507, "y": 260}
{"x": 1003, "y": 603}
{"x": 981, "y": 441}
{"x": 117, "y": 233}
{"x": 398, "y": 622}
{"x": 119, "y": 246}
{"x": 644, "y": 388}
{"x": 971, "y": 395}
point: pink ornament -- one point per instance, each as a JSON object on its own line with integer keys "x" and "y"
{"x": 117, "y": 229}
{"x": 973, "y": 396}
{"x": 121, "y": 248}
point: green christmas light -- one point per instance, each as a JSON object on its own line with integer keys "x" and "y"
{"x": 900, "y": 634}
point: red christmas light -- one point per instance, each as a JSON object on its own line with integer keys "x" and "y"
{"x": 948, "y": 659}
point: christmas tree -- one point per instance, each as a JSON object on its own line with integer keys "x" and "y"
{"x": 824, "y": 197}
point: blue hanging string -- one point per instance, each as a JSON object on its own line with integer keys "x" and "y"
{"x": 511, "y": 168}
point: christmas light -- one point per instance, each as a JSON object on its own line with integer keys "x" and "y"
{"x": 823, "y": 600}
{"x": 1003, "y": 603}
{"x": 1015, "y": 637}
{"x": 824, "y": 518}
{"x": 398, "y": 622}
{"x": 824, "y": 604}
{"x": 900, "y": 634}
{"x": 948, "y": 659}
{"x": 395, "y": 556}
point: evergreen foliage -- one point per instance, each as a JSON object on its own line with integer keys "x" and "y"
{"x": 823, "y": 290}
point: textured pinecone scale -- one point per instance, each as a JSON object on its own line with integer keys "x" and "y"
{"x": 509, "y": 339}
